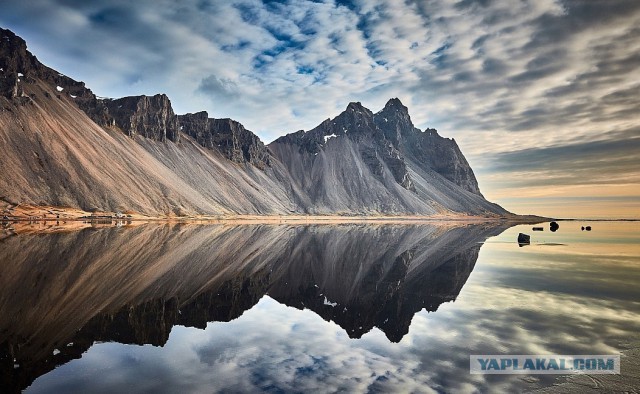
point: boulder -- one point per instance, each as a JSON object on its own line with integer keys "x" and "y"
{"x": 554, "y": 226}
{"x": 524, "y": 238}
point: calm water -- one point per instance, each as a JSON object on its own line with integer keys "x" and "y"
{"x": 356, "y": 308}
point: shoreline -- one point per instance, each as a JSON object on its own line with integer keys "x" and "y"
{"x": 278, "y": 219}
{"x": 49, "y": 226}
{"x": 48, "y": 219}
{"x": 34, "y": 214}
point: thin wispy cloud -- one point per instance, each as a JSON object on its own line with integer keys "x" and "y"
{"x": 502, "y": 77}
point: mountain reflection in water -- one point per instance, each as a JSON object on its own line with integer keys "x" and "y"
{"x": 61, "y": 293}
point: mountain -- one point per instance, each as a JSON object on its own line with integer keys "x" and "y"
{"x": 64, "y": 146}
{"x": 375, "y": 163}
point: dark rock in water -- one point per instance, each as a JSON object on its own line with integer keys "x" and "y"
{"x": 524, "y": 238}
{"x": 582, "y": 228}
{"x": 538, "y": 229}
{"x": 588, "y": 228}
{"x": 554, "y": 226}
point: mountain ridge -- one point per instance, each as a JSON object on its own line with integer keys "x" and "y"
{"x": 68, "y": 147}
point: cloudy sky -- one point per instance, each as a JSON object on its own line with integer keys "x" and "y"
{"x": 543, "y": 96}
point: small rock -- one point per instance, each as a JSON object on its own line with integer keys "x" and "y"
{"x": 554, "y": 226}
{"x": 538, "y": 229}
{"x": 524, "y": 238}
{"x": 588, "y": 228}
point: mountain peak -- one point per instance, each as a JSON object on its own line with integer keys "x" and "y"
{"x": 355, "y": 106}
{"x": 16, "y": 64}
{"x": 12, "y": 39}
{"x": 394, "y": 120}
{"x": 395, "y": 105}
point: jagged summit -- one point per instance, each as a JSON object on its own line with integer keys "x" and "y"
{"x": 379, "y": 162}
{"x": 357, "y": 106}
{"x": 65, "y": 146}
{"x": 395, "y": 103}
{"x": 394, "y": 121}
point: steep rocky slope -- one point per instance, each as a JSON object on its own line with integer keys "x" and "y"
{"x": 55, "y": 151}
{"x": 62, "y": 145}
{"x": 372, "y": 163}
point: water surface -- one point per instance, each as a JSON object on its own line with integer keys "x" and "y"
{"x": 364, "y": 308}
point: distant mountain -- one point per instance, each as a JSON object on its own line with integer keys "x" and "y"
{"x": 64, "y": 146}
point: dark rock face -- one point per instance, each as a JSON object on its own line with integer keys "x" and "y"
{"x": 426, "y": 148}
{"x": 14, "y": 59}
{"x": 18, "y": 66}
{"x": 153, "y": 117}
{"x": 392, "y": 157}
{"x": 198, "y": 127}
{"x": 149, "y": 116}
{"x": 394, "y": 121}
{"x": 375, "y": 156}
{"x": 356, "y": 122}
{"x": 228, "y": 136}
{"x": 239, "y": 144}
